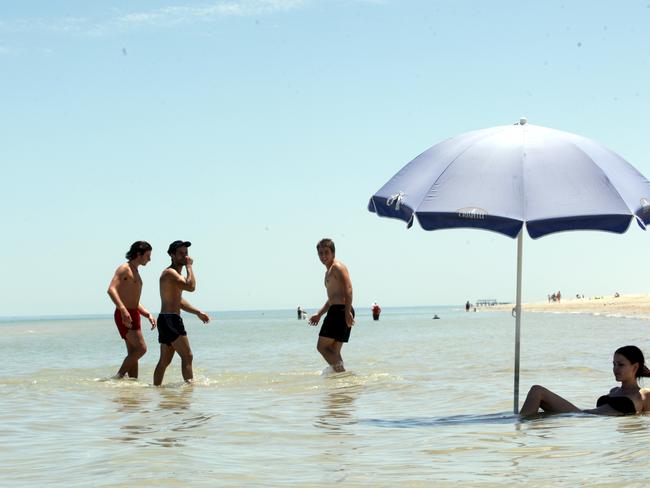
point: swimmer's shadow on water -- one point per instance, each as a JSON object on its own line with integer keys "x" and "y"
{"x": 408, "y": 423}
{"x": 495, "y": 418}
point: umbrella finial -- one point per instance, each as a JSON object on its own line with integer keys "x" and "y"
{"x": 523, "y": 120}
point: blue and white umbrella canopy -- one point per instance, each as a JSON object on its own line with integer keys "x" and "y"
{"x": 501, "y": 178}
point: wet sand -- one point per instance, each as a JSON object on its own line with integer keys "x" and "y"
{"x": 632, "y": 305}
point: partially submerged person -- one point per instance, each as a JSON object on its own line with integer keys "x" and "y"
{"x": 125, "y": 290}
{"x": 376, "y": 310}
{"x": 171, "y": 330}
{"x": 340, "y": 314}
{"x": 627, "y": 399}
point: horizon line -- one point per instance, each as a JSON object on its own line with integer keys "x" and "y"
{"x": 5, "y": 318}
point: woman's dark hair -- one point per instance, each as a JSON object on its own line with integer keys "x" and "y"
{"x": 138, "y": 248}
{"x": 634, "y": 355}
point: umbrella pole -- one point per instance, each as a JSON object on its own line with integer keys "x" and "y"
{"x": 520, "y": 246}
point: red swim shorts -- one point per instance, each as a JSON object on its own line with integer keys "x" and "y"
{"x": 135, "y": 321}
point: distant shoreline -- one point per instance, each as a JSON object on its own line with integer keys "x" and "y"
{"x": 220, "y": 314}
{"x": 630, "y": 305}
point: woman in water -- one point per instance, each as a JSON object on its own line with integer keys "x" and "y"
{"x": 627, "y": 399}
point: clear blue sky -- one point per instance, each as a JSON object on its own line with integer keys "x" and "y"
{"x": 254, "y": 128}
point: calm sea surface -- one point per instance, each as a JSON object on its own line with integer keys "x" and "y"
{"x": 425, "y": 403}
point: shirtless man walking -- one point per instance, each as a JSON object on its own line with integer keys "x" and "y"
{"x": 125, "y": 289}
{"x": 340, "y": 314}
{"x": 171, "y": 331}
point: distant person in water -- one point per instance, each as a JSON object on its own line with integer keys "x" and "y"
{"x": 340, "y": 314}
{"x": 171, "y": 330}
{"x": 125, "y": 290}
{"x": 376, "y": 310}
{"x": 627, "y": 399}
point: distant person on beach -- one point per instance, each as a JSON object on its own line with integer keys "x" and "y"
{"x": 467, "y": 305}
{"x": 340, "y": 314}
{"x": 171, "y": 330}
{"x": 125, "y": 290}
{"x": 627, "y": 399}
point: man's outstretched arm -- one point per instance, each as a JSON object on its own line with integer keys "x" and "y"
{"x": 186, "y": 306}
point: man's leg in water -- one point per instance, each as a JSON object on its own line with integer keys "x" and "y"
{"x": 135, "y": 349}
{"x": 166, "y": 356}
{"x": 182, "y": 347}
{"x": 330, "y": 349}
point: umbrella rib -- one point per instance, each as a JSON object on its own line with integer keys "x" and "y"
{"x": 600, "y": 170}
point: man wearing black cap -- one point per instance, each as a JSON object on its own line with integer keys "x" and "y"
{"x": 171, "y": 331}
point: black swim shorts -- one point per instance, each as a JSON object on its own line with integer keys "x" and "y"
{"x": 170, "y": 327}
{"x": 334, "y": 325}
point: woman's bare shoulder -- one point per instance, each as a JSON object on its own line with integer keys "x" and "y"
{"x": 645, "y": 398}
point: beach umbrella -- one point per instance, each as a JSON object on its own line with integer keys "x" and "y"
{"x": 502, "y": 178}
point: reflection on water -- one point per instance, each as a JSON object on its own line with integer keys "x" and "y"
{"x": 175, "y": 399}
{"x": 634, "y": 425}
{"x": 406, "y": 423}
{"x": 158, "y": 416}
{"x": 132, "y": 404}
{"x": 175, "y": 418}
{"x": 128, "y": 400}
{"x": 337, "y": 415}
{"x": 338, "y": 409}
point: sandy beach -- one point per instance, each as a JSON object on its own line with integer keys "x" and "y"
{"x": 632, "y": 305}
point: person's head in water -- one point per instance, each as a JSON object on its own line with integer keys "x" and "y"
{"x": 178, "y": 252}
{"x": 630, "y": 357}
{"x": 139, "y": 248}
{"x": 326, "y": 251}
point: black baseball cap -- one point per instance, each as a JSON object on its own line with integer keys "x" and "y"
{"x": 176, "y": 244}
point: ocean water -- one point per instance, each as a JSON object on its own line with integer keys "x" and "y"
{"x": 424, "y": 403}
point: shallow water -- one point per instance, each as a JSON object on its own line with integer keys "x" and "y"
{"x": 425, "y": 402}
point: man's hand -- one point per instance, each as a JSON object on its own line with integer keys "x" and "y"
{"x": 152, "y": 321}
{"x": 314, "y": 319}
{"x": 349, "y": 319}
{"x": 204, "y": 317}
{"x": 126, "y": 318}
{"x": 188, "y": 261}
